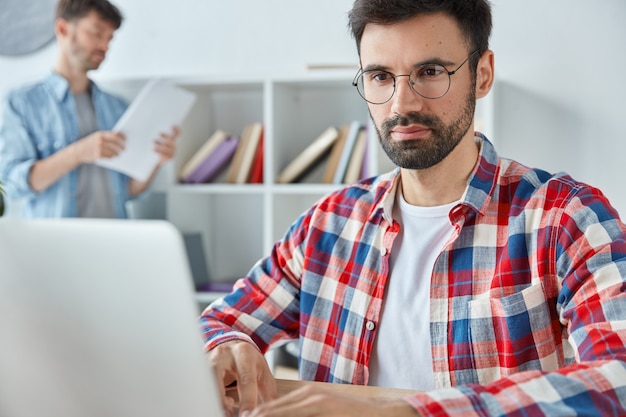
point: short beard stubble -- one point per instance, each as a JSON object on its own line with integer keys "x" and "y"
{"x": 420, "y": 154}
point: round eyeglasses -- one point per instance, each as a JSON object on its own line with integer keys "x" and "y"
{"x": 428, "y": 80}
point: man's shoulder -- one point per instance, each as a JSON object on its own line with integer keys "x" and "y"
{"x": 512, "y": 172}
{"x": 527, "y": 182}
{"x": 29, "y": 98}
{"x": 31, "y": 90}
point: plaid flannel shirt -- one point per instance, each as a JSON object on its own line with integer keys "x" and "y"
{"x": 528, "y": 297}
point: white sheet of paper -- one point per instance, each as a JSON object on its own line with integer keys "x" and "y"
{"x": 158, "y": 107}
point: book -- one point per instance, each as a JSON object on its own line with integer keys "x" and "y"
{"x": 335, "y": 154}
{"x": 239, "y": 170}
{"x": 366, "y": 170}
{"x": 344, "y": 159}
{"x": 353, "y": 171}
{"x": 214, "y": 162}
{"x": 256, "y": 174}
{"x": 306, "y": 159}
{"x": 212, "y": 286}
{"x": 256, "y": 133}
{"x": 200, "y": 155}
{"x": 236, "y": 161}
{"x": 158, "y": 107}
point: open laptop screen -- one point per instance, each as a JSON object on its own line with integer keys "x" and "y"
{"x": 98, "y": 318}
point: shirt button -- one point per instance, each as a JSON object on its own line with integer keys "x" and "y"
{"x": 383, "y": 251}
{"x": 370, "y": 325}
{"x": 57, "y": 144}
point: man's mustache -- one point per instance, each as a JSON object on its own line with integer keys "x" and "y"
{"x": 409, "y": 119}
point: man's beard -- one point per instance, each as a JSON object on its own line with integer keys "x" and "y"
{"x": 428, "y": 152}
{"x": 82, "y": 57}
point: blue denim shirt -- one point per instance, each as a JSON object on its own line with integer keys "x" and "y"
{"x": 40, "y": 120}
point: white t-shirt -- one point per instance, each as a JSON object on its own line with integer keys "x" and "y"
{"x": 402, "y": 356}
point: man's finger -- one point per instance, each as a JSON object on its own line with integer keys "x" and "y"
{"x": 267, "y": 387}
{"x": 247, "y": 387}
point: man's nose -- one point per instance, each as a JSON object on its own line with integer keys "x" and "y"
{"x": 405, "y": 99}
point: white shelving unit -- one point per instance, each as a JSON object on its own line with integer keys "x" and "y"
{"x": 241, "y": 222}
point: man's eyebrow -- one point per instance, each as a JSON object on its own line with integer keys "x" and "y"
{"x": 428, "y": 61}
{"x": 434, "y": 60}
{"x": 374, "y": 67}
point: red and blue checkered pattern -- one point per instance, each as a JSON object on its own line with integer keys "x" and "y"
{"x": 528, "y": 297}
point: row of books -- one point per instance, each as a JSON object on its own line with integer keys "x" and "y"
{"x": 343, "y": 149}
{"x": 242, "y": 155}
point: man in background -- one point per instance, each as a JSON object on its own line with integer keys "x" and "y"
{"x": 52, "y": 132}
{"x": 487, "y": 287}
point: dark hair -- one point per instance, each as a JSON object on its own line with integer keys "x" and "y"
{"x": 76, "y": 9}
{"x": 473, "y": 17}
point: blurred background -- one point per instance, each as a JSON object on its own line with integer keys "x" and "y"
{"x": 559, "y": 96}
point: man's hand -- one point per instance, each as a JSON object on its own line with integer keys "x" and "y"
{"x": 101, "y": 144}
{"x": 165, "y": 146}
{"x": 312, "y": 401}
{"x": 241, "y": 362}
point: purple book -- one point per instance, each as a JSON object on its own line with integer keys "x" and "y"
{"x": 215, "y": 286}
{"x": 214, "y": 162}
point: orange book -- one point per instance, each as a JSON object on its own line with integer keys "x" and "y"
{"x": 335, "y": 154}
{"x": 239, "y": 170}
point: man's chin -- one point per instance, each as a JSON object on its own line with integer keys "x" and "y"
{"x": 91, "y": 67}
{"x": 95, "y": 63}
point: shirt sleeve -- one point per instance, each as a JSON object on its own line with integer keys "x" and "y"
{"x": 590, "y": 256}
{"x": 17, "y": 151}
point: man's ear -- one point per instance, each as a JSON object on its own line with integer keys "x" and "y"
{"x": 60, "y": 27}
{"x": 484, "y": 74}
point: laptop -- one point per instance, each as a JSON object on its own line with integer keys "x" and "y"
{"x": 98, "y": 318}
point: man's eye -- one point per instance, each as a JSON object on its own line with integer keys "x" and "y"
{"x": 430, "y": 71}
{"x": 379, "y": 77}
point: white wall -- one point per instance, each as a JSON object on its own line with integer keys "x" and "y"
{"x": 562, "y": 107}
{"x": 560, "y": 66}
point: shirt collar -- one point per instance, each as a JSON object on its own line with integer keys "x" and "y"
{"x": 480, "y": 185}
{"x": 483, "y": 179}
{"x": 60, "y": 87}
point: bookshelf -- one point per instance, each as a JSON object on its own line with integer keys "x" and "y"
{"x": 240, "y": 222}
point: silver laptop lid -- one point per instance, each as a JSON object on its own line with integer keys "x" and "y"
{"x": 98, "y": 318}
